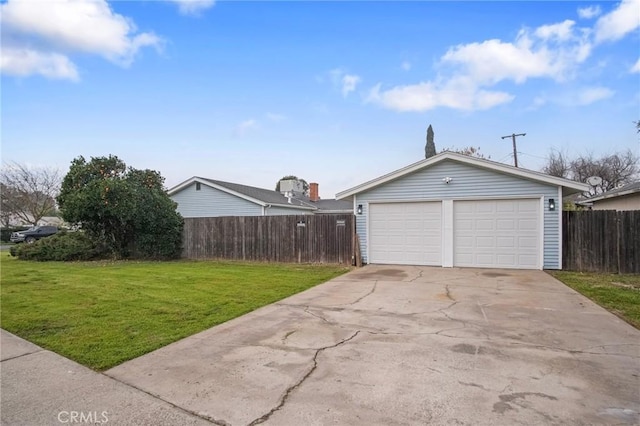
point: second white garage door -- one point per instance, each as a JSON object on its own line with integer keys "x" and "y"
{"x": 406, "y": 233}
{"x": 497, "y": 233}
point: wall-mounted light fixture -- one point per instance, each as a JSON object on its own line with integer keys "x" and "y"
{"x": 552, "y": 204}
{"x": 447, "y": 180}
{"x": 359, "y": 210}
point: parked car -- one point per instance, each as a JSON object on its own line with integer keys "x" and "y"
{"x": 33, "y": 234}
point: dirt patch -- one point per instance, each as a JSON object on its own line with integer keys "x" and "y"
{"x": 387, "y": 273}
{"x": 494, "y": 274}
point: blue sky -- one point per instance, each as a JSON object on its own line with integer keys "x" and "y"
{"x": 334, "y": 92}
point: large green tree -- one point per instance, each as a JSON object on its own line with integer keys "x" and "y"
{"x": 124, "y": 208}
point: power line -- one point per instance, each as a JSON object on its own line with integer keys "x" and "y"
{"x": 515, "y": 152}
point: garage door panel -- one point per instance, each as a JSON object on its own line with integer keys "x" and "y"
{"x": 506, "y": 242}
{"x": 406, "y": 233}
{"x": 497, "y": 233}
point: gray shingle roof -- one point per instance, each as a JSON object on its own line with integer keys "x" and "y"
{"x": 332, "y": 205}
{"x": 629, "y": 188}
{"x": 269, "y": 196}
{"x": 265, "y": 195}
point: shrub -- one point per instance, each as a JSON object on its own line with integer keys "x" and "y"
{"x": 61, "y": 247}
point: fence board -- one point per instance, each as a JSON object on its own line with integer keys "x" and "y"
{"x": 322, "y": 239}
{"x": 601, "y": 241}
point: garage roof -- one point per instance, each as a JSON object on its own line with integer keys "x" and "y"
{"x": 568, "y": 186}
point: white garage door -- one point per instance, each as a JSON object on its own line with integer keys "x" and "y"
{"x": 406, "y": 233}
{"x": 497, "y": 233}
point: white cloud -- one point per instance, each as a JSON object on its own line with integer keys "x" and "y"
{"x": 468, "y": 72}
{"x": 64, "y": 26}
{"x": 589, "y": 12}
{"x": 636, "y": 67}
{"x": 550, "y": 51}
{"x": 193, "y": 7}
{"x": 593, "y": 94}
{"x": 276, "y": 117}
{"x": 619, "y": 22}
{"x": 247, "y": 125}
{"x": 583, "y": 97}
{"x": 24, "y": 62}
{"x": 406, "y": 65}
{"x": 347, "y": 83}
{"x": 562, "y": 31}
{"x": 457, "y": 93}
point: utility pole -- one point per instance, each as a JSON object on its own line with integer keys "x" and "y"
{"x": 515, "y": 152}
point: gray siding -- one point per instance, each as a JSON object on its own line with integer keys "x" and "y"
{"x": 468, "y": 183}
{"x": 211, "y": 202}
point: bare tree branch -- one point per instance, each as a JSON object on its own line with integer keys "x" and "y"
{"x": 28, "y": 193}
{"x": 615, "y": 169}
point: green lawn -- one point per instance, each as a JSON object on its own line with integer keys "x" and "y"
{"x": 103, "y": 313}
{"x": 619, "y": 294}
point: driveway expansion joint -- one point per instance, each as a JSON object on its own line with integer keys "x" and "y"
{"x": 21, "y": 355}
{"x": 289, "y": 390}
{"x": 177, "y": 407}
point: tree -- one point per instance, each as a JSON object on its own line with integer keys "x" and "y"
{"x": 471, "y": 151}
{"x": 637, "y": 123}
{"x": 557, "y": 164}
{"x": 28, "y": 193}
{"x": 430, "y": 147}
{"x": 123, "y": 208}
{"x": 305, "y": 185}
{"x": 615, "y": 169}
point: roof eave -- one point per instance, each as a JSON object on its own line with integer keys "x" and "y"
{"x": 194, "y": 179}
{"x": 606, "y": 196}
{"x": 504, "y": 168}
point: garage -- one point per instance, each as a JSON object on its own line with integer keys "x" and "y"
{"x": 406, "y": 233}
{"x": 497, "y": 233}
{"x": 454, "y": 210}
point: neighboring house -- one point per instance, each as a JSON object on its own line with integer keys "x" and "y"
{"x": 201, "y": 197}
{"x": 455, "y": 210}
{"x": 626, "y": 197}
{"x": 45, "y": 221}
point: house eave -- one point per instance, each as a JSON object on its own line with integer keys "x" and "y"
{"x": 571, "y": 186}
{"x": 202, "y": 181}
{"x": 606, "y": 196}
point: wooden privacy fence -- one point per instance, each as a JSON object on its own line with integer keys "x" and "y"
{"x": 601, "y": 241}
{"x": 294, "y": 239}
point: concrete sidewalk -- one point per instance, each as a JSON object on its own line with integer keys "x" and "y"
{"x": 39, "y": 387}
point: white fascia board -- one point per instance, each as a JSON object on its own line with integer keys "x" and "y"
{"x": 617, "y": 194}
{"x": 289, "y": 206}
{"x": 195, "y": 179}
{"x": 478, "y": 162}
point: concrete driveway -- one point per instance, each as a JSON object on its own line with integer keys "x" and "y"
{"x": 407, "y": 345}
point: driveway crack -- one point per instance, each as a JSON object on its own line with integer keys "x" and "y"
{"x": 417, "y": 276}
{"x": 288, "y": 392}
{"x": 320, "y": 317}
{"x": 446, "y": 287}
{"x": 375, "y": 285}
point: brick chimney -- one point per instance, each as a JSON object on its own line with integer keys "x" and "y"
{"x": 313, "y": 192}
